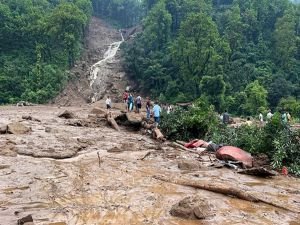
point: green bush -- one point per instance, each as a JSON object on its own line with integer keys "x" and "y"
{"x": 278, "y": 141}
{"x": 195, "y": 122}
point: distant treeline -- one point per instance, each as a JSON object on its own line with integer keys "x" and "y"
{"x": 241, "y": 55}
{"x": 123, "y": 13}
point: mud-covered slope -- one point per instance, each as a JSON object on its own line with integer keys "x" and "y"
{"x": 78, "y": 91}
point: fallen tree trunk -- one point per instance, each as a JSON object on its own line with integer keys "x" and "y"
{"x": 157, "y": 134}
{"x": 111, "y": 121}
{"x": 225, "y": 190}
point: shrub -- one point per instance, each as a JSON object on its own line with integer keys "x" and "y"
{"x": 195, "y": 122}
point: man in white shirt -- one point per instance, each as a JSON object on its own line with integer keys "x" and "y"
{"x": 269, "y": 116}
{"x": 108, "y": 104}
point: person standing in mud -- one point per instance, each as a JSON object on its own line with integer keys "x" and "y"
{"x": 125, "y": 97}
{"x": 138, "y": 103}
{"x": 130, "y": 103}
{"x": 108, "y": 104}
{"x": 148, "y": 105}
{"x": 156, "y": 113}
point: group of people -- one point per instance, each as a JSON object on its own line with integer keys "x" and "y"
{"x": 132, "y": 102}
{"x": 285, "y": 118}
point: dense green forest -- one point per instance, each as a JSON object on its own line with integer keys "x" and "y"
{"x": 241, "y": 55}
{"x": 39, "y": 41}
{"x": 122, "y": 13}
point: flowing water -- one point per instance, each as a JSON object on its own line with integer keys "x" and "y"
{"x": 99, "y": 71}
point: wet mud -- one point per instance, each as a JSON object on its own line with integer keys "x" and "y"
{"x": 98, "y": 184}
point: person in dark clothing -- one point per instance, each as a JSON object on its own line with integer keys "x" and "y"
{"x": 225, "y": 117}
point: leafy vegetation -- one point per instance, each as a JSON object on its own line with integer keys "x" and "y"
{"x": 195, "y": 122}
{"x": 243, "y": 55}
{"x": 123, "y": 13}
{"x": 39, "y": 41}
{"x": 276, "y": 139}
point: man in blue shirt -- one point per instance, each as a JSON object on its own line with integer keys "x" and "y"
{"x": 156, "y": 112}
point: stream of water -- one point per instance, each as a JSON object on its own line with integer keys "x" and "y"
{"x": 109, "y": 54}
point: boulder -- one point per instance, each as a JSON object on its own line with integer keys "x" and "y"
{"x": 8, "y": 148}
{"x": 17, "y": 128}
{"x": 235, "y": 154}
{"x": 192, "y": 208}
{"x": 67, "y": 114}
{"x": 189, "y": 165}
{"x": 97, "y": 110}
{"x": 134, "y": 118}
{"x": 3, "y": 129}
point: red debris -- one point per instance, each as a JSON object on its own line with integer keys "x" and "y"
{"x": 196, "y": 143}
{"x": 284, "y": 171}
{"x": 235, "y": 154}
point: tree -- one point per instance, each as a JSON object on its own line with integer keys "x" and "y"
{"x": 157, "y": 27}
{"x": 214, "y": 89}
{"x": 256, "y": 98}
{"x": 285, "y": 39}
{"x": 199, "y": 50}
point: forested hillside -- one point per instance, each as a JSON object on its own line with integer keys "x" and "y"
{"x": 39, "y": 41}
{"x": 242, "y": 55}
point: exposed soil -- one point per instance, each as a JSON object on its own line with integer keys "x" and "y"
{"x": 120, "y": 188}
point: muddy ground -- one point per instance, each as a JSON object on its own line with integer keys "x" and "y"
{"x": 121, "y": 188}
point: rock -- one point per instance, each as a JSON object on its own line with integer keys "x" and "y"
{"x": 67, "y": 114}
{"x": 189, "y": 165}
{"x": 115, "y": 150}
{"x": 97, "y": 110}
{"x": 30, "y": 118}
{"x": 25, "y": 220}
{"x": 192, "y": 208}
{"x": 3, "y": 129}
{"x": 17, "y": 128}
{"x": 48, "y": 129}
{"x": 8, "y": 148}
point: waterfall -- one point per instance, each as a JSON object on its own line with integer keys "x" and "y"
{"x": 109, "y": 54}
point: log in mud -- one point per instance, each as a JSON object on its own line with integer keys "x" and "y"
{"x": 222, "y": 189}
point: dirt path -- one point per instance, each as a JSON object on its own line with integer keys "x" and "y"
{"x": 122, "y": 189}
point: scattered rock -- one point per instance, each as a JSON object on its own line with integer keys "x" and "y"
{"x": 76, "y": 123}
{"x": 30, "y": 118}
{"x": 48, "y": 129}
{"x": 189, "y": 165}
{"x": 25, "y": 220}
{"x": 67, "y": 115}
{"x": 192, "y": 208}
{"x": 4, "y": 167}
{"x": 97, "y": 110}
{"x": 3, "y": 129}
{"x": 17, "y": 128}
{"x": 115, "y": 150}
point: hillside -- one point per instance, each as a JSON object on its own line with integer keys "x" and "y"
{"x": 110, "y": 79}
